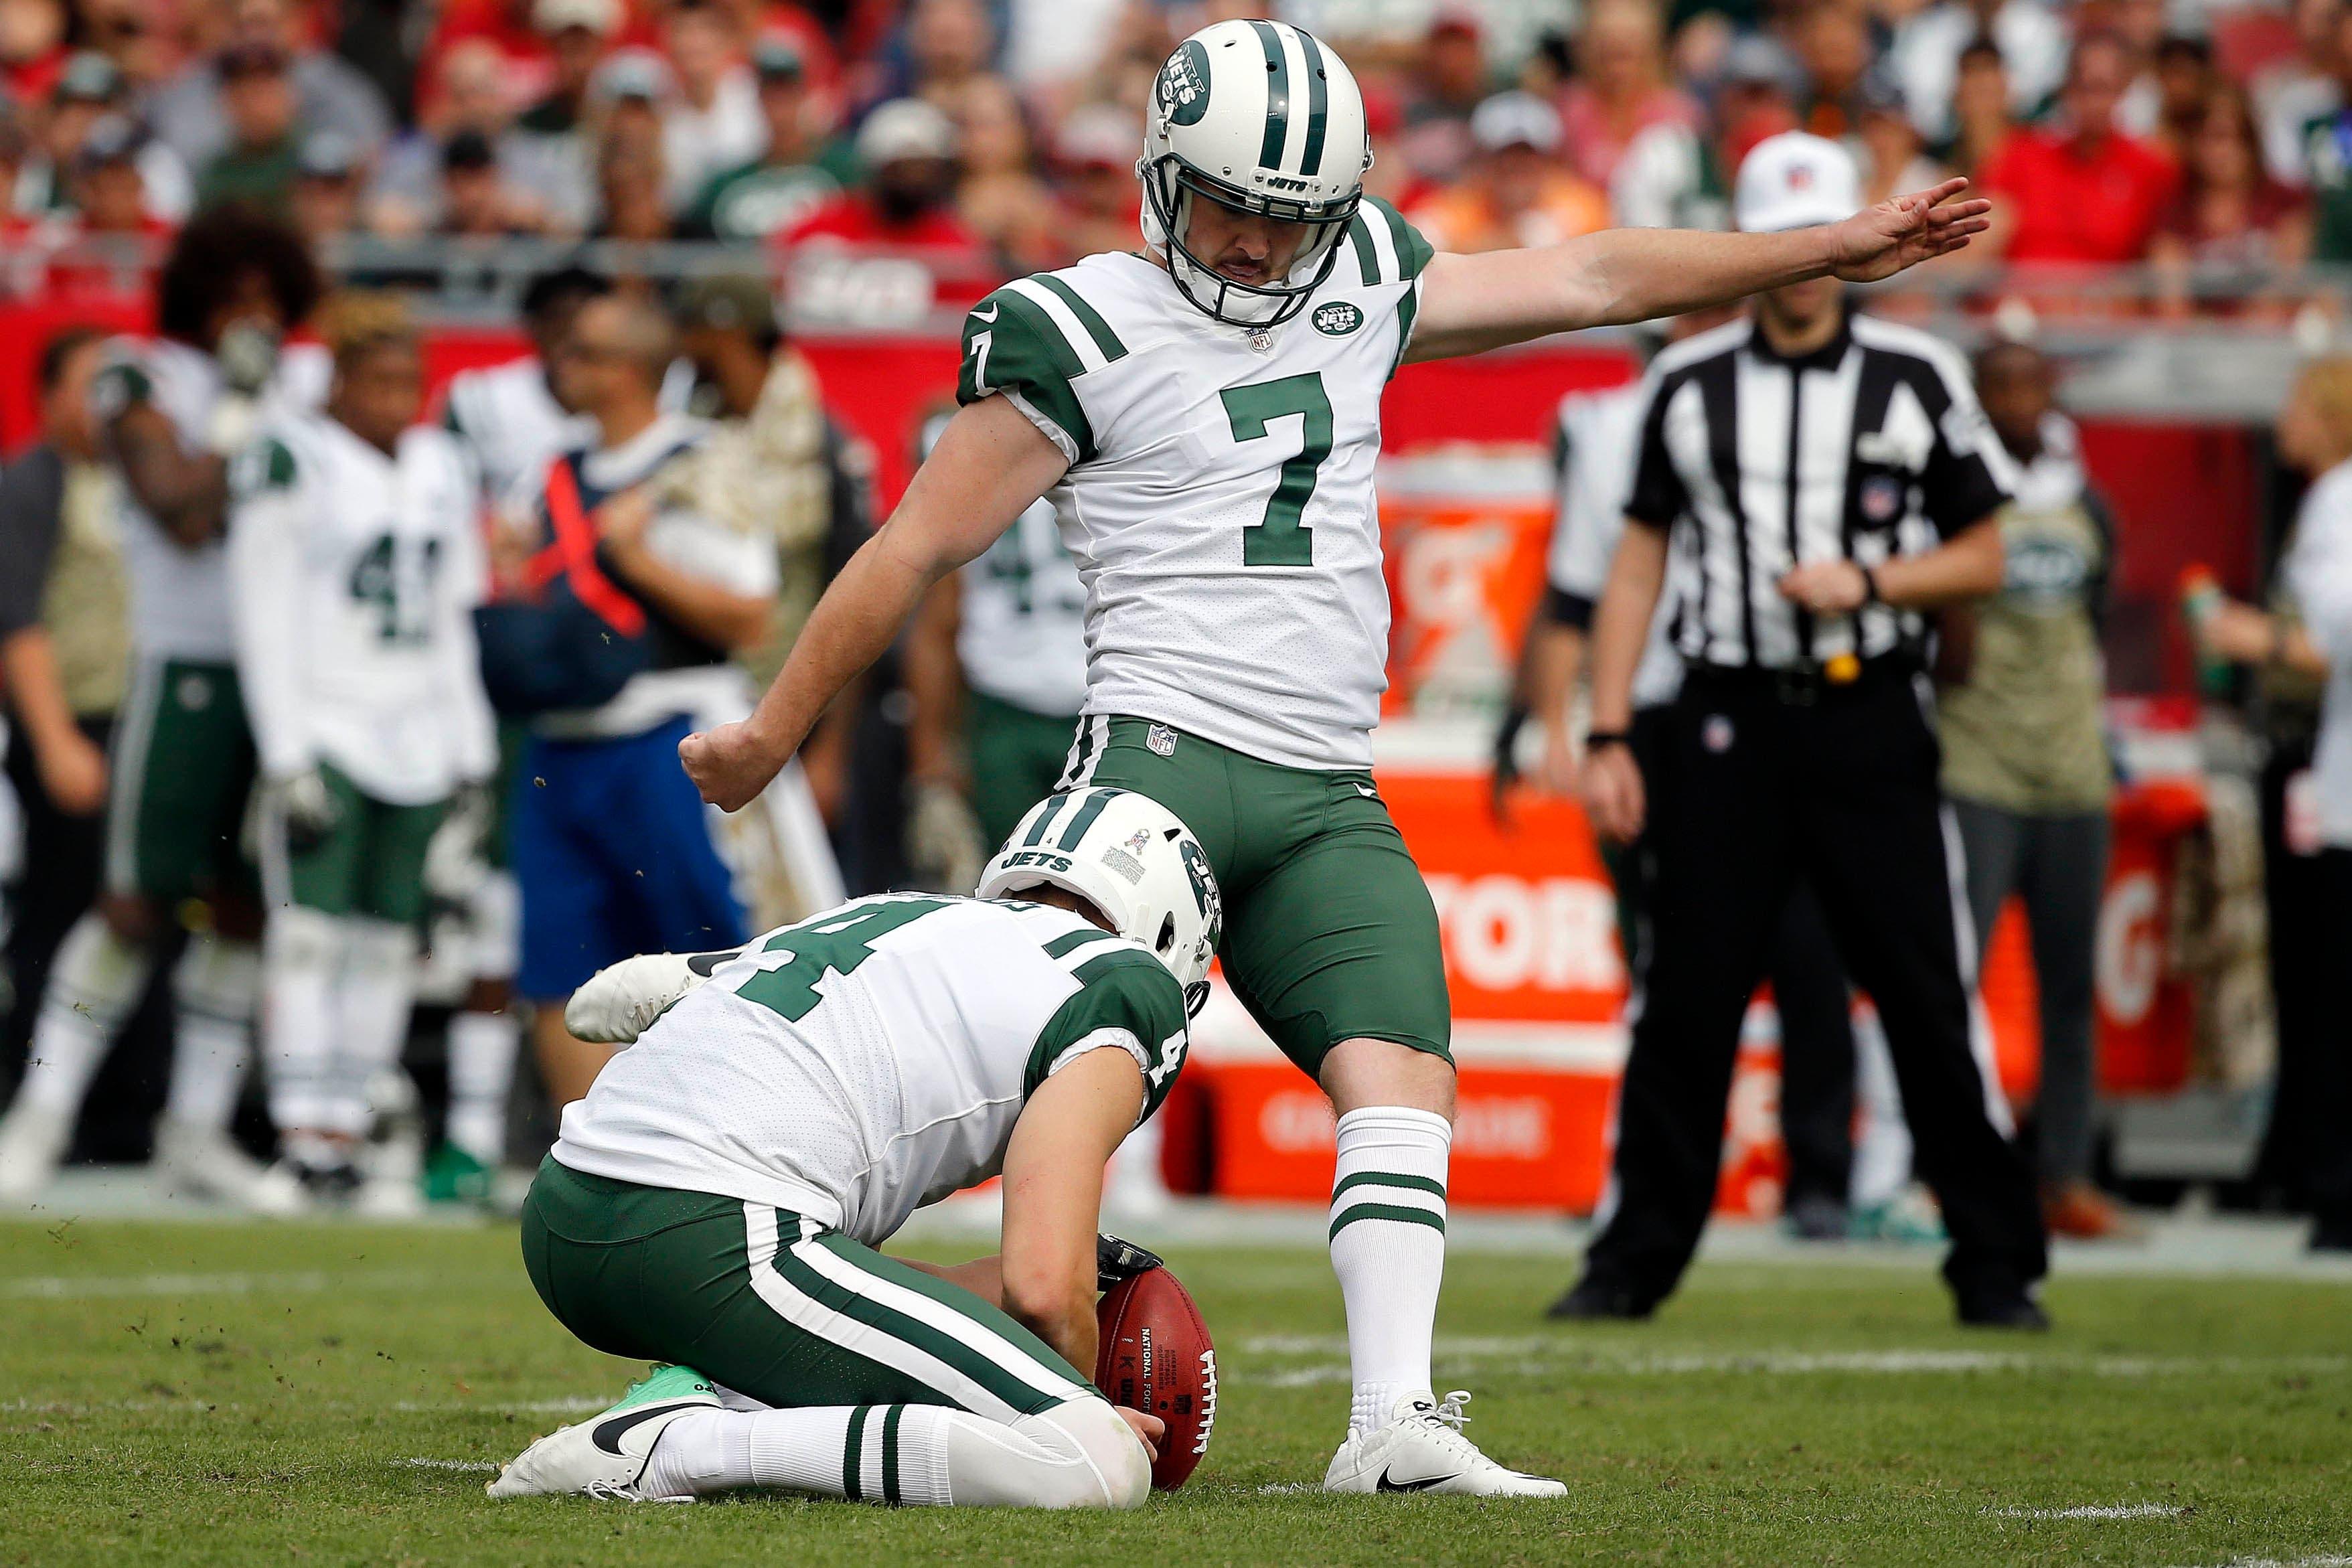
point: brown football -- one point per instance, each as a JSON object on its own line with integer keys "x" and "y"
{"x": 1156, "y": 1356}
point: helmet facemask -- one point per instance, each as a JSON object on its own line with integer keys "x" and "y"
{"x": 1170, "y": 188}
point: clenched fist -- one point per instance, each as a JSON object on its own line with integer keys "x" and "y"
{"x": 730, "y": 765}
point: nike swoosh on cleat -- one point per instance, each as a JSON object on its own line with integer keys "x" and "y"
{"x": 607, "y": 1435}
{"x": 1386, "y": 1485}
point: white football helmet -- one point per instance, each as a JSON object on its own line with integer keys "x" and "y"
{"x": 1258, "y": 117}
{"x": 1130, "y": 858}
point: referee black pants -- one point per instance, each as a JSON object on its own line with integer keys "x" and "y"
{"x": 1760, "y": 793}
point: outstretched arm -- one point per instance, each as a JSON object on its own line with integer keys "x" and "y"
{"x": 1053, "y": 1196}
{"x": 1470, "y": 303}
{"x": 990, "y": 465}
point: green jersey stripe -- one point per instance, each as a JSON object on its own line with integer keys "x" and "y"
{"x": 1383, "y": 1179}
{"x": 853, "y": 1455}
{"x": 1412, "y": 251}
{"x": 1088, "y": 316}
{"x": 1310, "y": 162}
{"x": 1086, "y": 816}
{"x": 1102, "y": 963}
{"x": 1277, "y": 96}
{"x": 1062, "y": 946}
{"x": 1030, "y": 358}
{"x": 1054, "y": 808}
{"x": 890, "y": 1453}
{"x": 1408, "y": 305}
{"x": 1387, "y": 1211}
{"x": 1368, "y": 260}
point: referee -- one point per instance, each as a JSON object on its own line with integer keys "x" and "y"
{"x": 1819, "y": 479}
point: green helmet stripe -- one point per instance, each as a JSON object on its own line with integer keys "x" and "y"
{"x": 1054, "y": 808}
{"x": 1277, "y": 96}
{"x": 1310, "y": 162}
{"x": 1084, "y": 818}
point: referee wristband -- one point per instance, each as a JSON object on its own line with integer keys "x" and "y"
{"x": 1595, "y": 740}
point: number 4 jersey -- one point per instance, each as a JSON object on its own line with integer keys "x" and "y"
{"x": 873, "y": 1059}
{"x": 1219, "y": 499}
{"x": 354, "y": 574}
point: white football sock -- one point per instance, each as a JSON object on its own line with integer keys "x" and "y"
{"x": 371, "y": 1006}
{"x": 481, "y": 1073}
{"x": 302, "y": 955}
{"x": 1079, "y": 1455}
{"x": 94, "y": 982}
{"x": 1388, "y": 1247}
{"x": 213, "y": 988}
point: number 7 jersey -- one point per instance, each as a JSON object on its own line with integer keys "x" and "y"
{"x": 1219, "y": 499}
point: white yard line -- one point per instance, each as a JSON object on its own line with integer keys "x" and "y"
{"x": 1324, "y": 1350}
{"x": 306, "y": 1281}
{"x": 2092, "y": 1511}
{"x": 448, "y": 1464}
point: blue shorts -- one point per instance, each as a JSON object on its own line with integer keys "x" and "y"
{"x": 612, "y": 850}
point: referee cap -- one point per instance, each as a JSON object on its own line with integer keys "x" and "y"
{"x": 1792, "y": 180}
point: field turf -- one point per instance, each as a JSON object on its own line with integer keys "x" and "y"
{"x": 198, "y": 1393}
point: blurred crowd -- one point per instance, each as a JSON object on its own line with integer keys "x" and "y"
{"x": 2209, "y": 140}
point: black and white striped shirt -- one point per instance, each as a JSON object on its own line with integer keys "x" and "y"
{"x": 1869, "y": 447}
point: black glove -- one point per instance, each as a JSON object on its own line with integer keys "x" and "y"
{"x": 1116, "y": 1260}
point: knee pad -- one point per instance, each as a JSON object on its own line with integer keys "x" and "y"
{"x": 1118, "y": 1468}
{"x": 96, "y": 973}
{"x": 378, "y": 947}
{"x": 219, "y": 977}
{"x": 304, "y": 940}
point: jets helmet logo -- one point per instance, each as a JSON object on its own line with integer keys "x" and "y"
{"x": 1338, "y": 319}
{"x": 1183, "y": 84}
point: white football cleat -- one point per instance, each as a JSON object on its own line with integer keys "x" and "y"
{"x": 32, "y": 1142}
{"x": 1423, "y": 1449}
{"x": 605, "y": 1456}
{"x": 622, "y": 1000}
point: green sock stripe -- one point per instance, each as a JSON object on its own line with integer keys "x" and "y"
{"x": 853, "y": 1456}
{"x": 890, "y": 1452}
{"x": 1383, "y": 1179}
{"x": 1435, "y": 1222}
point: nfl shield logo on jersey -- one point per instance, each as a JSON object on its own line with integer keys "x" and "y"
{"x": 1338, "y": 319}
{"x": 1162, "y": 739}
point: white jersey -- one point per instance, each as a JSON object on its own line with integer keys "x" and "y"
{"x": 873, "y": 1059}
{"x": 512, "y": 428}
{"x": 1021, "y": 629}
{"x": 1219, "y": 499}
{"x": 179, "y": 592}
{"x": 355, "y": 575}
{"x": 1600, "y": 439}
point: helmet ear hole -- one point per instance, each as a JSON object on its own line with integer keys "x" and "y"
{"x": 1166, "y": 941}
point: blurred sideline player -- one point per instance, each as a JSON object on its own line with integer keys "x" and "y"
{"x": 181, "y": 762}
{"x": 355, "y": 563}
{"x": 1599, "y": 437}
{"x": 1208, "y": 411}
{"x": 719, "y": 1195}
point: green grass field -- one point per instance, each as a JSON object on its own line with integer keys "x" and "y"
{"x": 197, "y": 1393}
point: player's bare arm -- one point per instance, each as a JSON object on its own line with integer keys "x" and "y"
{"x": 1612, "y": 785}
{"x": 990, "y": 465}
{"x": 1470, "y": 303}
{"x": 186, "y": 491}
